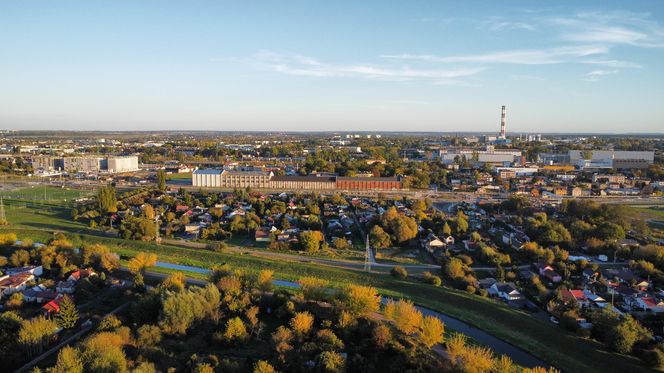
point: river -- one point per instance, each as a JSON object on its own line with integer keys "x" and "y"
{"x": 499, "y": 346}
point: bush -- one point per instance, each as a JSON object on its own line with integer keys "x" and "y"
{"x": 432, "y": 279}
{"x": 399, "y": 272}
{"x": 219, "y": 247}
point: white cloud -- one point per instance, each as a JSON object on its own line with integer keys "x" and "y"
{"x": 522, "y": 57}
{"x": 613, "y": 63}
{"x": 627, "y": 28}
{"x": 294, "y": 64}
{"x": 501, "y": 24}
{"x": 595, "y": 75}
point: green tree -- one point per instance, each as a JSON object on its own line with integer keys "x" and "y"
{"x": 68, "y": 315}
{"x": 626, "y": 334}
{"x": 331, "y": 362}
{"x": 161, "y": 180}
{"x": 69, "y": 361}
{"x": 109, "y": 324}
{"x": 35, "y": 334}
{"x": 378, "y": 238}
{"x": 148, "y": 336}
{"x": 106, "y": 199}
{"x": 19, "y": 258}
{"x": 447, "y": 230}
{"x": 461, "y": 223}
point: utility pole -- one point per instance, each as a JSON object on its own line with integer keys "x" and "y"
{"x": 367, "y": 256}
{"x": 3, "y": 218}
{"x": 157, "y": 237}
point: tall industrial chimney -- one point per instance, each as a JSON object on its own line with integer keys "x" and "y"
{"x": 503, "y": 122}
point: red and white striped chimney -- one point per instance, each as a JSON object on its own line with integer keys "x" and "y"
{"x": 503, "y": 122}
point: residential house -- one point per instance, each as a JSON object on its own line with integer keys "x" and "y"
{"x": 578, "y": 296}
{"x": 547, "y": 272}
{"x": 506, "y": 291}
{"x": 65, "y": 287}
{"x": 433, "y": 243}
{"x": 262, "y": 234}
{"x": 31, "y": 295}
{"x": 81, "y": 274}
{"x": 35, "y": 270}
{"x": 650, "y": 303}
{"x": 15, "y": 283}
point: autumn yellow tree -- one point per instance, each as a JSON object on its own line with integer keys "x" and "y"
{"x": 477, "y": 359}
{"x": 540, "y": 370}
{"x": 313, "y": 288}
{"x": 174, "y": 282}
{"x": 504, "y": 365}
{"x": 264, "y": 280}
{"x": 236, "y": 331}
{"x": 69, "y": 361}
{"x": 456, "y": 347}
{"x": 432, "y": 331}
{"x": 263, "y": 366}
{"x": 138, "y": 264}
{"x": 404, "y": 315}
{"x": 302, "y": 323}
{"x": 36, "y": 333}
{"x": 360, "y": 300}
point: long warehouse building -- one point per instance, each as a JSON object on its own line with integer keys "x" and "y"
{"x": 213, "y": 178}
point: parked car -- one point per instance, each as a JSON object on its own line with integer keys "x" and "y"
{"x": 554, "y": 320}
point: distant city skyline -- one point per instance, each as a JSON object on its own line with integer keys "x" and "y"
{"x": 564, "y": 67}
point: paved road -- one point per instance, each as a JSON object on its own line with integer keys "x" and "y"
{"x": 305, "y": 259}
{"x": 84, "y": 330}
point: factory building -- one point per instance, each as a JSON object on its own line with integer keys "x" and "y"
{"x": 122, "y": 164}
{"x": 303, "y": 182}
{"x": 612, "y": 159}
{"x": 86, "y": 164}
{"x": 209, "y": 178}
{"x": 503, "y": 157}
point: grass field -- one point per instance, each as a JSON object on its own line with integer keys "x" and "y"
{"x": 653, "y": 215}
{"x": 37, "y": 221}
{"x": 46, "y": 193}
{"x": 182, "y": 176}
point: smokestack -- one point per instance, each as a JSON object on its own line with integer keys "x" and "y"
{"x": 503, "y": 123}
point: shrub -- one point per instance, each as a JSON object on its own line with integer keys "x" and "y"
{"x": 432, "y": 279}
{"x": 399, "y": 272}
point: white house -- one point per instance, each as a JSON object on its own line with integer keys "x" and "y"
{"x": 506, "y": 291}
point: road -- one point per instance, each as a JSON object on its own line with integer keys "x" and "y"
{"x": 84, "y": 330}
{"x": 306, "y": 259}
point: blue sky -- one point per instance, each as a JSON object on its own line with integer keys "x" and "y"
{"x": 565, "y": 66}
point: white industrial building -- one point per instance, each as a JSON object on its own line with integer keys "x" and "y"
{"x": 602, "y": 155}
{"x": 122, "y": 164}
{"x": 488, "y": 155}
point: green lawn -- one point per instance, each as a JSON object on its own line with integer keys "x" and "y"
{"x": 46, "y": 193}
{"x": 182, "y": 176}
{"x": 563, "y": 349}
